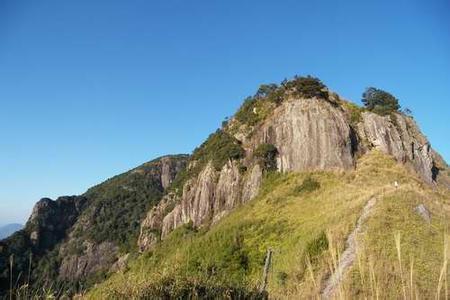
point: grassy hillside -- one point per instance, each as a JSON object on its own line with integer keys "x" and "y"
{"x": 305, "y": 219}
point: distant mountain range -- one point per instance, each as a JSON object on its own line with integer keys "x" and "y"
{"x": 8, "y": 229}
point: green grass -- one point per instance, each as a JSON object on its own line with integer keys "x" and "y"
{"x": 295, "y": 225}
{"x": 308, "y": 185}
{"x": 354, "y": 112}
{"x": 254, "y": 110}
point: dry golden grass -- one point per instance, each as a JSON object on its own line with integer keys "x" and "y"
{"x": 399, "y": 255}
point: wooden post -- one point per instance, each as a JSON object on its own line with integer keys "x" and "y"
{"x": 266, "y": 270}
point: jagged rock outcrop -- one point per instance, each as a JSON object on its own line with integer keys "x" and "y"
{"x": 150, "y": 232}
{"x": 95, "y": 258}
{"x": 205, "y": 198}
{"x": 309, "y": 134}
{"x": 46, "y": 228}
{"x": 399, "y": 136}
{"x": 50, "y": 220}
{"x": 169, "y": 169}
{"x": 252, "y": 184}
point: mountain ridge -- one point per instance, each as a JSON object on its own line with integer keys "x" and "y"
{"x": 296, "y": 127}
{"x": 77, "y": 230}
{"x": 308, "y": 134}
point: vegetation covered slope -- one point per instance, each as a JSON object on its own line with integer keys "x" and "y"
{"x": 305, "y": 219}
{"x": 71, "y": 243}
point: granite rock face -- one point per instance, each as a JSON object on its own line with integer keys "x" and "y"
{"x": 50, "y": 220}
{"x": 399, "y": 136}
{"x": 169, "y": 169}
{"x": 95, "y": 257}
{"x": 151, "y": 226}
{"x": 309, "y": 134}
{"x": 206, "y": 198}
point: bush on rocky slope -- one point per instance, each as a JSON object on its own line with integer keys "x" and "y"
{"x": 219, "y": 148}
{"x": 266, "y": 155}
{"x": 379, "y": 101}
{"x": 257, "y": 107}
{"x": 307, "y": 87}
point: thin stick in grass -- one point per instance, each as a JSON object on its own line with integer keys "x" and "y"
{"x": 399, "y": 255}
{"x": 443, "y": 273}
{"x": 311, "y": 274}
{"x": 411, "y": 278}
{"x": 373, "y": 279}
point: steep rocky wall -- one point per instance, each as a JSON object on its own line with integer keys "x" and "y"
{"x": 46, "y": 228}
{"x": 206, "y": 198}
{"x": 95, "y": 257}
{"x": 309, "y": 134}
{"x": 50, "y": 220}
{"x": 399, "y": 136}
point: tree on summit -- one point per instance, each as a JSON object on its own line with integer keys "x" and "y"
{"x": 265, "y": 90}
{"x": 379, "y": 101}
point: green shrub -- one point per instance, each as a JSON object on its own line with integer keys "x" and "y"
{"x": 256, "y": 108}
{"x": 308, "y": 185}
{"x": 246, "y": 114}
{"x": 315, "y": 247}
{"x": 281, "y": 278}
{"x": 379, "y": 101}
{"x": 265, "y": 90}
{"x": 307, "y": 87}
{"x": 355, "y": 112}
{"x": 266, "y": 155}
{"x": 219, "y": 148}
{"x": 181, "y": 287}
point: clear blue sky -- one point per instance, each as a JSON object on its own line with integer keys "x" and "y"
{"x": 89, "y": 89}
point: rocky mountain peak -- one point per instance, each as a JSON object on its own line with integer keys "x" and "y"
{"x": 309, "y": 127}
{"x": 50, "y": 219}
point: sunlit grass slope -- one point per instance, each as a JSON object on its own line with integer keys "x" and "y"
{"x": 305, "y": 219}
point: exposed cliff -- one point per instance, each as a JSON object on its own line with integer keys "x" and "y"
{"x": 50, "y": 220}
{"x": 47, "y": 226}
{"x": 399, "y": 136}
{"x": 318, "y": 133}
